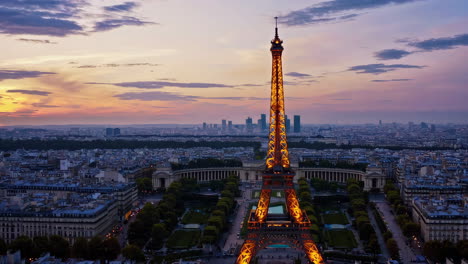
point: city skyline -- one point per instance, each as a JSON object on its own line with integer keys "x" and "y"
{"x": 82, "y": 62}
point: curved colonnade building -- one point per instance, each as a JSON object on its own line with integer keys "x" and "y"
{"x": 251, "y": 172}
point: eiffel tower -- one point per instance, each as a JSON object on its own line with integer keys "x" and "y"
{"x": 293, "y": 227}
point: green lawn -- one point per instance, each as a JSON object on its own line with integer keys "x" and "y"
{"x": 335, "y": 218}
{"x": 183, "y": 239}
{"x": 342, "y": 238}
{"x": 274, "y": 194}
{"x": 195, "y": 217}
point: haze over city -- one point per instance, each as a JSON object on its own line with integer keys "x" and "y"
{"x": 186, "y": 62}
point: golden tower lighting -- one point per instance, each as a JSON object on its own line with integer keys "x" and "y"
{"x": 294, "y": 228}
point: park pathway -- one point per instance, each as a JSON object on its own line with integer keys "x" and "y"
{"x": 406, "y": 253}
{"x": 378, "y": 232}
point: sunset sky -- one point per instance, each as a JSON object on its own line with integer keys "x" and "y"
{"x": 193, "y": 61}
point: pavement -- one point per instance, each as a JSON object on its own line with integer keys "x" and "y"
{"x": 406, "y": 252}
{"x": 233, "y": 240}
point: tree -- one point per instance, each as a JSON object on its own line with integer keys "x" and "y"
{"x": 134, "y": 253}
{"x": 373, "y": 245}
{"x": 137, "y": 233}
{"x": 387, "y": 235}
{"x": 80, "y": 248}
{"x": 41, "y": 245}
{"x": 59, "y": 247}
{"x": 432, "y": 250}
{"x": 411, "y": 229}
{"x": 393, "y": 196}
{"x": 111, "y": 247}
{"x": 393, "y": 248}
{"x": 24, "y": 244}
{"x": 353, "y": 188}
{"x": 3, "y": 247}
{"x": 365, "y": 231}
{"x": 144, "y": 184}
{"x": 158, "y": 234}
{"x": 95, "y": 248}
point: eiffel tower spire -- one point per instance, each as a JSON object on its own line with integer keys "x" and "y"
{"x": 292, "y": 227}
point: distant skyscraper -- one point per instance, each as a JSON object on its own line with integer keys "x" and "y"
{"x": 204, "y": 126}
{"x": 223, "y": 122}
{"x": 424, "y": 125}
{"x": 109, "y": 132}
{"x": 116, "y": 131}
{"x": 297, "y": 124}
{"x": 433, "y": 128}
{"x": 380, "y": 122}
{"x": 229, "y": 125}
{"x": 288, "y": 123}
{"x": 249, "y": 124}
{"x": 263, "y": 124}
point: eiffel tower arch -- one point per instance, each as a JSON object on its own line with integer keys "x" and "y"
{"x": 293, "y": 227}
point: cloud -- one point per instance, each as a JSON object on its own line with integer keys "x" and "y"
{"x": 19, "y": 74}
{"x": 441, "y": 43}
{"x": 113, "y": 23}
{"x": 391, "y": 54}
{"x": 393, "y": 80}
{"x": 60, "y": 18}
{"x": 113, "y": 65}
{"x": 334, "y": 10}
{"x": 423, "y": 46}
{"x": 162, "y": 84}
{"x": 381, "y": 68}
{"x": 31, "y": 92}
{"x": 125, "y": 7}
{"x": 44, "y": 105}
{"x": 298, "y": 75}
{"x": 41, "y": 41}
{"x": 48, "y": 17}
{"x": 155, "y": 96}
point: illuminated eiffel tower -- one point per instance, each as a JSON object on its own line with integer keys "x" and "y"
{"x": 292, "y": 228}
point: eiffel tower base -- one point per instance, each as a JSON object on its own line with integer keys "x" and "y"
{"x": 295, "y": 237}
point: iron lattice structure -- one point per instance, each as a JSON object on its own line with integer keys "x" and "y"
{"x": 293, "y": 228}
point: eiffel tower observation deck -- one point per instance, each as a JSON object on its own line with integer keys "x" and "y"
{"x": 293, "y": 227}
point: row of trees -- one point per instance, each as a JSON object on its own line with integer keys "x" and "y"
{"x": 218, "y": 218}
{"x": 438, "y": 251}
{"x": 387, "y": 235}
{"x": 323, "y": 185}
{"x": 38, "y": 144}
{"x": 306, "y": 204}
{"x": 408, "y": 227}
{"x": 93, "y": 249}
{"x": 359, "y": 200}
{"x": 329, "y": 164}
{"x": 157, "y": 222}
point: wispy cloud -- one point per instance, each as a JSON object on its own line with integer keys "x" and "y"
{"x": 41, "y": 105}
{"x": 20, "y": 74}
{"x": 125, "y": 7}
{"x": 393, "y": 80}
{"x": 110, "y": 24}
{"x": 298, "y": 75}
{"x": 155, "y": 96}
{"x": 441, "y": 43}
{"x": 30, "y": 92}
{"x": 114, "y": 65}
{"x": 162, "y": 84}
{"x": 334, "y": 11}
{"x": 38, "y": 41}
{"x": 381, "y": 68}
{"x": 428, "y": 45}
{"x": 391, "y": 54}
